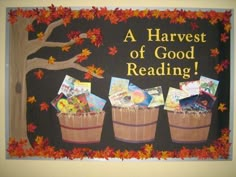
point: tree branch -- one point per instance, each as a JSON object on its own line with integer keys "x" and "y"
{"x": 51, "y": 27}
{"x": 43, "y": 63}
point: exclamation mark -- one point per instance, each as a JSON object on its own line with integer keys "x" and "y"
{"x": 196, "y": 68}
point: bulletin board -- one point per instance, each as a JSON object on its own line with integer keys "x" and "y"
{"x": 119, "y": 83}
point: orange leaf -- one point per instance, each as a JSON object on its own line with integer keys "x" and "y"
{"x": 39, "y": 74}
{"x": 227, "y": 27}
{"x": 51, "y": 60}
{"x": 30, "y": 28}
{"x": 222, "y": 107}
{"x": 214, "y": 52}
{"x": 112, "y": 50}
{"x": 31, "y": 127}
{"x": 31, "y": 99}
{"x": 65, "y": 48}
{"x": 99, "y": 71}
{"x": 40, "y": 36}
{"x": 44, "y": 106}
{"x": 219, "y": 68}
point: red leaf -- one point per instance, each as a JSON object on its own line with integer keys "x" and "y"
{"x": 31, "y": 127}
{"x": 214, "y": 52}
{"x": 44, "y": 106}
{"x": 30, "y": 28}
{"x": 224, "y": 37}
{"x": 194, "y": 26}
{"x": 88, "y": 76}
{"x": 112, "y": 50}
{"x": 219, "y": 68}
{"x": 81, "y": 58}
{"x": 39, "y": 74}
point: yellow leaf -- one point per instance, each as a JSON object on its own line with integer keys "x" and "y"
{"x": 86, "y": 52}
{"x": 40, "y": 36}
{"x": 31, "y": 99}
{"x": 51, "y": 60}
{"x": 222, "y": 107}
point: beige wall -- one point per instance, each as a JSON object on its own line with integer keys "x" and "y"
{"x": 60, "y": 168}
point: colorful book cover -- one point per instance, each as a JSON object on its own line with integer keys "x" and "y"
{"x": 157, "y": 94}
{"x": 205, "y": 100}
{"x": 71, "y": 87}
{"x": 188, "y": 104}
{"x": 121, "y": 99}
{"x": 138, "y": 96}
{"x": 78, "y": 103}
{"x": 173, "y": 97}
{"x": 95, "y": 103}
{"x": 191, "y": 87}
{"x": 60, "y": 103}
{"x": 208, "y": 85}
{"x": 118, "y": 84}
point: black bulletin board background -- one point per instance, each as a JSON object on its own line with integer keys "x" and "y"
{"x": 113, "y": 35}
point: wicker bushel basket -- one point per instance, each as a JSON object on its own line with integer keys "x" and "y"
{"x": 135, "y": 125}
{"x": 80, "y": 128}
{"x": 189, "y": 127}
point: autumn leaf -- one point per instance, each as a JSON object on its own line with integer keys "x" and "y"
{"x": 78, "y": 41}
{"x": 86, "y": 52}
{"x": 81, "y": 58}
{"x": 51, "y": 60}
{"x": 224, "y": 37}
{"x": 66, "y": 20}
{"x": 225, "y": 63}
{"x": 88, "y": 76}
{"x": 40, "y": 36}
{"x": 44, "y": 106}
{"x": 180, "y": 20}
{"x": 65, "y": 48}
{"x": 194, "y": 26}
{"x": 112, "y": 50}
{"x": 73, "y": 34}
{"x": 214, "y": 52}
{"x": 218, "y": 68}
{"x": 31, "y": 127}
{"x": 31, "y": 99}
{"x": 227, "y": 27}
{"x": 222, "y": 107}
{"x": 39, "y": 74}
{"x": 30, "y": 28}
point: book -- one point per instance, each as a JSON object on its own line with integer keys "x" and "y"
{"x": 121, "y": 99}
{"x": 71, "y": 87}
{"x": 60, "y": 103}
{"x": 118, "y": 85}
{"x": 95, "y": 103}
{"x": 156, "y": 93}
{"x": 205, "y": 100}
{"x": 190, "y": 87}
{"x": 78, "y": 103}
{"x": 208, "y": 85}
{"x": 173, "y": 97}
{"x": 138, "y": 96}
{"x": 188, "y": 103}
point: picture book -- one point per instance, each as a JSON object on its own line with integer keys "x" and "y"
{"x": 71, "y": 87}
{"x": 173, "y": 97}
{"x": 190, "y": 87}
{"x": 121, "y": 99}
{"x": 60, "y": 103}
{"x": 205, "y": 100}
{"x": 95, "y": 103}
{"x": 138, "y": 96}
{"x": 208, "y": 85}
{"x": 156, "y": 93}
{"x": 118, "y": 85}
{"x": 78, "y": 103}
